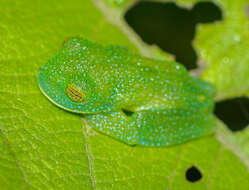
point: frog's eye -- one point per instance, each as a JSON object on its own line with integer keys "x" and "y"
{"x": 74, "y": 94}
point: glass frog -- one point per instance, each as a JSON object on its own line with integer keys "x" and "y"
{"x": 134, "y": 99}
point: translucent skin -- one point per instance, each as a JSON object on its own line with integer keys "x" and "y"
{"x": 167, "y": 106}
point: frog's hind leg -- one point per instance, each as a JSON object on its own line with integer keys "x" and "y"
{"x": 171, "y": 127}
{"x": 154, "y": 128}
{"x": 115, "y": 124}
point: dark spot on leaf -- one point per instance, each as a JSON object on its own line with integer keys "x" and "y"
{"x": 193, "y": 174}
{"x": 171, "y": 27}
{"x": 234, "y": 112}
{"x": 127, "y": 112}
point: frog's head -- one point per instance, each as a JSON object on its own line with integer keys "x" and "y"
{"x": 65, "y": 80}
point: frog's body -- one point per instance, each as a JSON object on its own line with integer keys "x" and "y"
{"x": 131, "y": 98}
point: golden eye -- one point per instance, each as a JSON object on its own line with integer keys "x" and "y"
{"x": 74, "y": 94}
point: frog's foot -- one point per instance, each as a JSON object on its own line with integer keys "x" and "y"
{"x": 118, "y": 125}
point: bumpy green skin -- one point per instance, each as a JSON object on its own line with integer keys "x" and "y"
{"x": 169, "y": 106}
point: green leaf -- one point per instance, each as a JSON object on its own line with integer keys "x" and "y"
{"x": 44, "y": 147}
{"x": 224, "y": 47}
{"x": 117, "y": 3}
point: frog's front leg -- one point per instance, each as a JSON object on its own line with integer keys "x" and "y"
{"x": 154, "y": 127}
{"x": 115, "y": 124}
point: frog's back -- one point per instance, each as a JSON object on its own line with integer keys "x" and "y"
{"x": 143, "y": 82}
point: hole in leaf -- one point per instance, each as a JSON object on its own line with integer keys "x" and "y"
{"x": 171, "y": 27}
{"x": 127, "y": 112}
{"x": 193, "y": 174}
{"x": 234, "y": 112}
